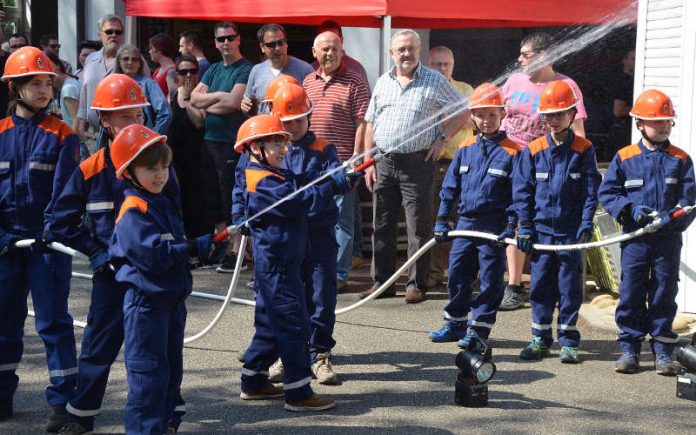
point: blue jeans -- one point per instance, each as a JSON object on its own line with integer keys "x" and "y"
{"x": 344, "y": 234}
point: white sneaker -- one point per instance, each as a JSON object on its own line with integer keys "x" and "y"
{"x": 323, "y": 370}
{"x": 276, "y": 371}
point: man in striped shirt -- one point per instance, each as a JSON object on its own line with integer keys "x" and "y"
{"x": 341, "y": 97}
{"x": 413, "y": 112}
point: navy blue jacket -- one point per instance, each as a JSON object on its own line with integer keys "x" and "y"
{"x": 280, "y": 234}
{"x": 149, "y": 249}
{"x": 659, "y": 179}
{"x": 555, "y": 186}
{"x": 37, "y": 156}
{"x": 480, "y": 180}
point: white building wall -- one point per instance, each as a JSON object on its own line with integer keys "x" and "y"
{"x": 666, "y": 60}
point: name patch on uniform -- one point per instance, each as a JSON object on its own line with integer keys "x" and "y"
{"x": 499, "y": 172}
{"x": 463, "y": 169}
{"x": 671, "y": 181}
{"x": 543, "y": 176}
{"x": 633, "y": 183}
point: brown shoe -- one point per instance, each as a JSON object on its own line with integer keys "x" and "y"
{"x": 358, "y": 262}
{"x": 314, "y": 403}
{"x": 341, "y": 286}
{"x": 414, "y": 296}
{"x": 269, "y": 392}
{"x": 365, "y": 293}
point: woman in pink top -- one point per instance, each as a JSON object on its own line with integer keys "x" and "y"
{"x": 162, "y": 51}
{"x": 522, "y": 123}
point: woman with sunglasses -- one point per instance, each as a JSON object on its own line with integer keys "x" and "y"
{"x": 129, "y": 61}
{"x": 186, "y": 141}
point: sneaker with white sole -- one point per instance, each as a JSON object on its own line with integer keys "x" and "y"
{"x": 228, "y": 263}
{"x": 276, "y": 371}
{"x": 323, "y": 370}
{"x": 269, "y": 392}
{"x": 314, "y": 403}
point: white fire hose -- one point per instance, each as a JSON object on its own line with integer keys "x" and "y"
{"x": 648, "y": 229}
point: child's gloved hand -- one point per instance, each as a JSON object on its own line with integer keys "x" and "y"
{"x": 238, "y": 221}
{"x": 7, "y": 243}
{"x": 525, "y": 238}
{"x": 344, "y": 182}
{"x": 99, "y": 261}
{"x": 201, "y": 247}
{"x": 508, "y": 233}
{"x": 442, "y": 228}
{"x": 584, "y": 233}
{"x": 641, "y": 214}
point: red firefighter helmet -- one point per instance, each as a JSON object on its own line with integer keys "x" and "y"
{"x": 276, "y": 83}
{"x": 653, "y": 105}
{"x": 486, "y": 95}
{"x": 557, "y": 96}
{"x": 118, "y": 92}
{"x": 258, "y": 127}
{"x": 27, "y": 61}
{"x": 291, "y": 102}
{"x": 129, "y": 143}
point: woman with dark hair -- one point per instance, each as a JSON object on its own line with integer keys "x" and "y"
{"x": 129, "y": 61}
{"x": 162, "y": 51}
{"x": 190, "y": 158}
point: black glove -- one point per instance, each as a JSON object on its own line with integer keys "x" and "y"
{"x": 442, "y": 229}
{"x": 525, "y": 238}
{"x": 238, "y": 221}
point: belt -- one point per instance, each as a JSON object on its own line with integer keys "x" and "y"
{"x": 404, "y": 156}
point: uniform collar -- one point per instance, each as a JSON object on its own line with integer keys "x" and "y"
{"x": 565, "y": 144}
{"x": 306, "y": 141}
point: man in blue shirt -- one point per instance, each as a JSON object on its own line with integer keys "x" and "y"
{"x": 274, "y": 44}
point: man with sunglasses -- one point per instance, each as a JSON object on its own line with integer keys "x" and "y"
{"x": 523, "y": 124}
{"x": 273, "y": 42}
{"x": 97, "y": 66}
{"x": 220, "y": 93}
{"x": 17, "y": 41}
{"x": 49, "y": 44}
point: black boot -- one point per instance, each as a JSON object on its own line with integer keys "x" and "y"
{"x": 57, "y": 419}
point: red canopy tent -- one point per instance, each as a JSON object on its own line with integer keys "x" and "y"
{"x": 404, "y": 13}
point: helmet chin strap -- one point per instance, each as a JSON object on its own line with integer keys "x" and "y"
{"x": 261, "y": 157}
{"x": 134, "y": 180}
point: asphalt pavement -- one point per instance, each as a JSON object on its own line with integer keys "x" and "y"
{"x": 393, "y": 379}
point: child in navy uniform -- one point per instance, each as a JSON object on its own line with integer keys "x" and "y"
{"x": 94, "y": 191}
{"x": 150, "y": 254}
{"x": 555, "y": 195}
{"x": 307, "y": 157}
{"x": 479, "y": 179}
{"x": 650, "y": 176}
{"x": 38, "y": 152}
{"x": 280, "y": 246}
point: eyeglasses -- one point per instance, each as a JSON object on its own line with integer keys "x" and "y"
{"x": 228, "y": 38}
{"x": 130, "y": 59}
{"x": 16, "y": 46}
{"x": 555, "y": 115}
{"x": 54, "y": 45}
{"x": 184, "y": 72}
{"x": 274, "y": 44}
{"x": 110, "y": 32}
